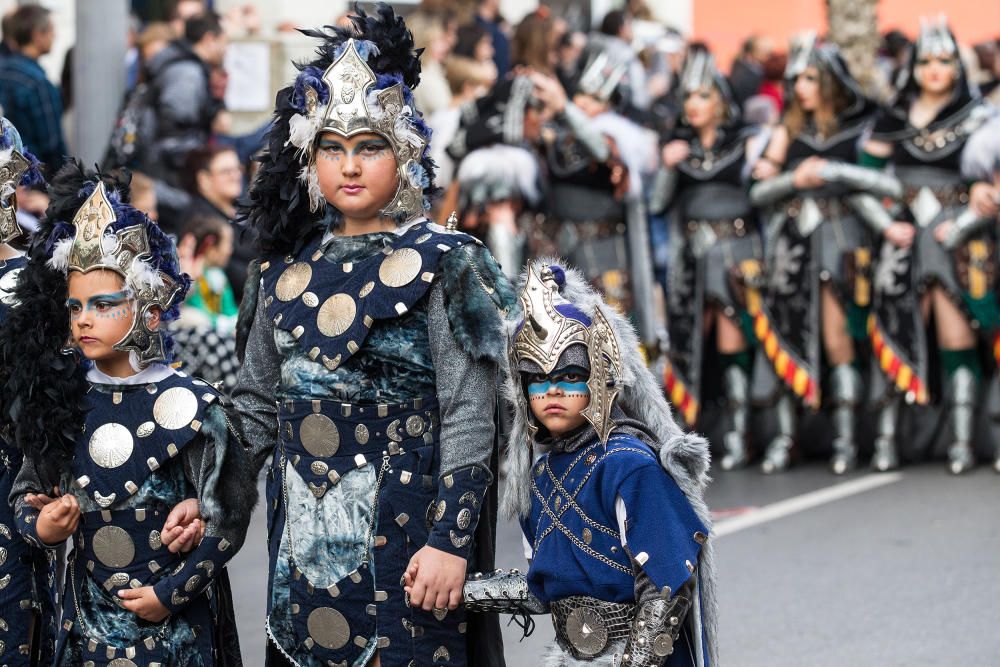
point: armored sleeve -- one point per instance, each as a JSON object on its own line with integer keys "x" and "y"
{"x": 255, "y": 389}
{"x": 224, "y": 480}
{"x": 466, "y": 392}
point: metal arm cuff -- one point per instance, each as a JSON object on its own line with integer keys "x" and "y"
{"x": 502, "y": 592}
{"x": 655, "y": 628}
{"x": 966, "y": 224}
{"x": 765, "y": 193}
{"x": 871, "y": 211}
{"x": 591, "y": 139}
{"x": 664, "y": 185}
{"x": 863, "y": 179}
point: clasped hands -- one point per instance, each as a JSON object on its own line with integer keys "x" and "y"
{"x": 59, "y": 517}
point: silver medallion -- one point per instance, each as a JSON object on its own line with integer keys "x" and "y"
{"x": 328, "y": 628}
{"x": 414, "y": 426}
{"x": 361, "y": 434}
{"x": 113, "y": 547}
{"x": 175, "y": 408}
{"x": 111, "y": 445}
{"x": 319, "y": 435}
{"x": 586, "y": 631}
{"x": 464, "y": 519}
{"x": 145, "y": 429}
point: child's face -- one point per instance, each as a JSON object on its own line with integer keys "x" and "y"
{"x": 101, "y": 312}
{"x": 358, "y": 176}
{"x": 558, "y": 399}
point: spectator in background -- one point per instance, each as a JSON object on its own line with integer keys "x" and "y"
{"x": 29, "y": 100}
{"x": 182, "y": 11}
{"x": 184, "y": 105}
{"x": 468, "y": 81}
{"x": 488, "y": 16}
{"x": 144, "y": 195}
{"x": 773, "y": 86}
{"x": 894, "y": 54}
{"x": 568, "y": 52}
{"x": 153, "y": 39}
{"x": 213, "y": 175}
{"x": 7, "y": 39}
{"x": 615, "y": 38}
{"x": 210, "y": 302}
{"x": 534, "y": 43}
{"x": 435, "y": 33}
{"x": 748, "y": 69}
{"x": 472, "y": 41}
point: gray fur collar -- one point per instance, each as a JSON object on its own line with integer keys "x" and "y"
{"x": 685, "y": 456}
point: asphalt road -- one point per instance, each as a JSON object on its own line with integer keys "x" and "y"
{"x": 880, "y": 572}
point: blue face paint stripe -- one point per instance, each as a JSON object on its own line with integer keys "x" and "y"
{"x": 540, "y": 388}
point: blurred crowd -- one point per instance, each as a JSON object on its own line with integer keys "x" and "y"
{"x": 548, "y": 136}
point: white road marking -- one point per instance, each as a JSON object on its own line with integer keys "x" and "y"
{"x": 803, "y": 502}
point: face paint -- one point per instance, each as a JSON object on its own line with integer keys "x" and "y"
{"x": 570, "y": 383}
{"x": 103, "y": 306}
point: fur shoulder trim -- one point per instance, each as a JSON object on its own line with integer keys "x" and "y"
{"x": 477, "y": 297}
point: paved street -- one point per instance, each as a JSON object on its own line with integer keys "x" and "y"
{"x": 903, "y": 570}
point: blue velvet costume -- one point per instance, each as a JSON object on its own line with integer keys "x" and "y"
{"x": 343, "y": 384}
{"x": 27, "y": 581}
{"x": 146, "y": 446}
{"x": 574, "y": 531}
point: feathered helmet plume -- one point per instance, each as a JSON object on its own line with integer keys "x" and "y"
{"x": 361, "y": 81}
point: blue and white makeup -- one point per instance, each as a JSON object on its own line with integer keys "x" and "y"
{"x": 571, "y": 382}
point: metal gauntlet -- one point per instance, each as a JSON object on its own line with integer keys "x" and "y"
{"x": 502, "y": 592}
{"x": 871, "y": 211}
{"x": 966, "y": 224}
{"x": 655, "y": 628}
{"x": 765, "y": 193}
{"x": 863, "y": 179}
{"x": 664, "y": 185}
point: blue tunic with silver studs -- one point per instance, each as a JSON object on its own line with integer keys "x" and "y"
{"x": 370, "y": 379}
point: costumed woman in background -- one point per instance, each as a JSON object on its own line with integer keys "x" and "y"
{"x": 812, "y": 313}
{"x": 370, "y": 370}
{"x": 933, "y": 135}
{"x": 628, "y": 582}
{"x": 27, "y": 616}
{"x": 123, "y": 434}
{"x": 705, "y": 176}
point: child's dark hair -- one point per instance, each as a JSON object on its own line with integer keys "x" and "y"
{"x": 206, "y": 230}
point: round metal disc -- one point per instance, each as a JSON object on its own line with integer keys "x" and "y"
{"x": 319, "y": 435}
{"x": 175, "y": 408}
{"x": 586, "y": 631}
{"x": 122, "y": 662}
{"x": 328, "y": 628}
{"x": 336, "y": 315}
{"x": 111, "y": 445}
{"x": 293, "y": 281}
{"x": 113, "y": 546}
{"x": 400, "y": 268}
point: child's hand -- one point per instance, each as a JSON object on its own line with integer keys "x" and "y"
{"x": 40, "y": 500}
{"x": 437, "y": 579}
{"x": 143, "y": 603}
{"x": 183, "y": 528}
{"x": 58, "y": 520}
